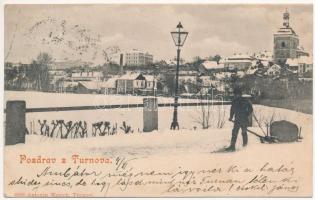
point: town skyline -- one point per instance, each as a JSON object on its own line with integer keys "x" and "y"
{"x": 213, "y": 29}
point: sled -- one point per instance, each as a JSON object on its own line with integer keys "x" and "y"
{"x": 264, "y": 139}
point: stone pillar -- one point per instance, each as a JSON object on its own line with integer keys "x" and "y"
{"x": 150, "y": 114}
{"x": 15, "y": 128}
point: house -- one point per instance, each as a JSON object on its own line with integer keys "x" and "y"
{"x": 139, "y": 82}
{"x": 239, "y": 62}
{"x": 212, "y": 66}
{"x": 274, "y": 70}
{"x": 300, "y": 65}
{"x": 305, "y": 64}
{"x": 151, "y": 82}
{"x": 88, "y": 87}
{"x": 109, "y": 86}
{"x": 145, "y": 84}
{"x": 125, "y": 83}
{"x": 292, "y": 64}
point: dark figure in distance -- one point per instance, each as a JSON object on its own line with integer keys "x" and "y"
{"x": 241, "y": 110}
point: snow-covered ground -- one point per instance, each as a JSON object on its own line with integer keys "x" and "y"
{"x": 189, "y": 120}
{"x": 189, "y": 147}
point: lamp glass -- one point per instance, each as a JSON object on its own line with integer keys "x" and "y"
{"x": 179, "y": 38}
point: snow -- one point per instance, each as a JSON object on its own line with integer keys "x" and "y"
{"x": 301, "y": 60}
{"x": 292, "y": 62}
{"x": 130, "y": 76}
{"x": 91, "y": 85}
{"x": 161, "y": 142}
{"x": 189, "y": 117}
{"x": 110, "y": 83}
{"x": 189, "y": 147}
{"x": 212, "y": 65}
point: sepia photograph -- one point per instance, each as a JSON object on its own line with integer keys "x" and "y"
{"x": 158, "y": 100}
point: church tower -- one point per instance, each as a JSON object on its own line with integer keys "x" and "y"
{"x": 286, "y": 42}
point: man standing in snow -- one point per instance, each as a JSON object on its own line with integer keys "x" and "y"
{"x": 241, "y": 110}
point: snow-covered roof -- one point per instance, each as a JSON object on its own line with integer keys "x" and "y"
{"x": 274, "y": 67}
{"x": 149, "y": 77}
{"x": 171, "y": 62}
{"x": 239, "y": 61}
{"x": 292, "y": 62}
{"x": 131, "y": 76}
{"x": 222, "y": 75}
{"x": 110, "y": 83}
{"x": 251, "y": 70}
{"x": 265, "y": 63}
{"x": 300, "y": 60}
{"x": 240, "y": 57}
{"x": 92, "y": 85}
{"x": 212, "y": 65}
{"x": 240, "y": 74}
{"x": 305, "y": 59}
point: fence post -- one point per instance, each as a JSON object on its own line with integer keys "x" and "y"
{"x": 150, "y": 114}
{"x": 15, "y": 129}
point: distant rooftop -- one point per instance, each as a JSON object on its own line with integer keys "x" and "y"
{"x": 302, "y": 59}
{"x": 212, "y": 65}
{"x": 240, "y": 57}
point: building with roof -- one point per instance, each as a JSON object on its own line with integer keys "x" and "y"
{"x": 136, "y": 83}
{"x": 286, "y": 42}
{"x": 300, "y": 65}
{"x": 212, "y": 66}
{"x": 274, "y": 70}
{"x": 239, "y": 62}
{"x": 109, "y": 86}
{"x": 137, "y": 58}
{"x": 88, "y": 87}
{"x": 132, "y": 57}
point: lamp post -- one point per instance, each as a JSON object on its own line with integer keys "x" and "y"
{"x": 179, "y": 36}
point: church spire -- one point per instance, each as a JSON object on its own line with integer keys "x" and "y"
{"x": 286, "y": 18}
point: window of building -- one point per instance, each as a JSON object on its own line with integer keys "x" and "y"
{"x": 283, "y": 44}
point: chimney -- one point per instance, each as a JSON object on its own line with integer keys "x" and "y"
{"x": 121, "y": 63}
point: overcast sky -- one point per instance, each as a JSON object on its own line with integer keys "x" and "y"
{"x": 213, "y": 29}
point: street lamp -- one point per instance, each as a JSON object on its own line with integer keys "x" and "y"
{"x": 179, "y": 36}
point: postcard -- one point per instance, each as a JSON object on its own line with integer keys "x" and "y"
{"x": 158, "y": 100}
